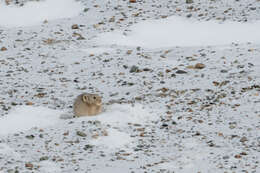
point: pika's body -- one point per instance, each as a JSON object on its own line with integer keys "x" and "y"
{"x": 87, "y": 105}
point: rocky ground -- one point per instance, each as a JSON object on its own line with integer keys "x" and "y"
{"x": 204, "y": 101}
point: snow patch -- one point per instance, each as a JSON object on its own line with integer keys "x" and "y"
{"x": 6, "y": 150}
{"x": 97, "y": 50}
{"x": 34, "y": 13}
{"x": 115, "y": 139}
{"x": 121, "y": 114}
{"x": 26, "y": 117}
{"x": 49, "y": 167}
{"x": 179, "y": 31}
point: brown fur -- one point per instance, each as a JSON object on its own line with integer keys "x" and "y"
{"x": 87, "y": 105}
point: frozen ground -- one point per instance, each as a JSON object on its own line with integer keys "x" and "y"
{"x": 173, "y": 102}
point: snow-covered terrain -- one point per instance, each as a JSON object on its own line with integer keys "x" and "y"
{"x": 36, "y": 12}
{"x": 179, "y": 31}
{"x": 180, "y": 82}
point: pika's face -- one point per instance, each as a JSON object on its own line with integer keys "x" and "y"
{"x": 92, "y": 99}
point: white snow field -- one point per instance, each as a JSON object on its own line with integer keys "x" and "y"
{"x": 186, "y": 100}
{"x": 23, "y": 118}
{"x": 26, "y": 117}
{"x": 36, "y": 12}
{"x": 180, "y": 31}
{"x": 114, "y": 139}
{"x": 121, "y": 114}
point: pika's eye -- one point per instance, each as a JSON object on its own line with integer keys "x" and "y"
{"x": 94, "y": 97}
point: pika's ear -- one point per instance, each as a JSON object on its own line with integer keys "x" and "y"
{"x": 85, "y": 98}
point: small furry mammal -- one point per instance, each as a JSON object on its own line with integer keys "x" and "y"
{"x": 87, "y": 105}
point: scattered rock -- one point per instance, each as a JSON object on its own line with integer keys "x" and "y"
{"x": 199, "y": 66}
{"x": 75, "y": 26}
{"x": 30, "y": 136}
{"x": 189, "y": 1}
{"x": 82, "y": 134}
{"x": 29, "y": 166}
{"x": 29, "y": 103}
{"x": 3, "y": 49}
{"x": 134, "y": 69}
{"x": 132, "y": 1}
{"x": 87, "y": 147}
{"x": 181, "y": 72}
{"x": 129, "y": 52}
{"x": 44, "y": 158}
{"x": 243, "y": 139}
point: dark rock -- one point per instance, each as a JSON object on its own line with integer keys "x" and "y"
{"x": 243, "y": 139}
{"x": 189, "y": 1}
{"x": 181, "y": 72}
{"x": 82, "y": 134}
{"x": 134, "y": 69}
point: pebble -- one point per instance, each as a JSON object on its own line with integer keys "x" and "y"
{"x": 82, "y": 134}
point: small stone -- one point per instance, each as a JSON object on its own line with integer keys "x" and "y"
{"x": 129, "y": 52}
{"x": 181, "y": 72}
{"x": 134, "y": 69}
{"x": 199, "y": 66}
{"x": 243, "y": 153}
{"x": 167, "y": 70}
{"x": 189, "y": 1}
{"x": 147, "y": 69}
{"x": 223, "y": 71}
{"x": 29, "y": 103}
{"x": 174, "y": 122}
{"x": 3, "y": 49}
{"x": 173, "y": 75}
{"x": 29, "y": 166}
{"x": 164, "y": 125}
{"x": 86, "y": 147}
{"x": 238, "y": 156}
{"x": 82, "y": 134}
{"x": 75, "y": 26}
{"x": 112, "y": 19}
{"x": 225, "y": 157}
{"x": 44, "y": 158}
{"x": 189, "y": 15}
{"x": 132, "y": 1}
{"x": 86, "y": 9}
{"x": 243, "y": 139}
{"x": 30, "y": 136}
{"x": 14, "y": 104}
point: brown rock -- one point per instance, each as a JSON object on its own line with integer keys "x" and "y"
{"x": 132, "y": 1}
{"x": 3, "y": 49}
{"x": 29, "y": 166}
{"x": 29, "y": 103}
{"x": 75, "y": 26}
{"x": 238, "y": 156}
{"x": 199, "y": 66}
{"x": 189, "y": 1}
{"x": 243, "y": 139}
{"x": 129, "y": 52}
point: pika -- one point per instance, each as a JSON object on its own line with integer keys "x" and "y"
{"x": 87, "y": 105}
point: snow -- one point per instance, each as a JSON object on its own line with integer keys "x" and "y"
{"x": 24, "y": 118}
{"x": 121, "y": 114}
{"x": 179, "y": 31}
{"x": 118, "y": 116}
{"x": 49, "y": 167}
{"x": 184, "y": 122}
{"x": 6, "y": 150}
{"x": 114, "y": 139}
{"x": 97, "y": 50}
{"x": 35, "y": 12}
